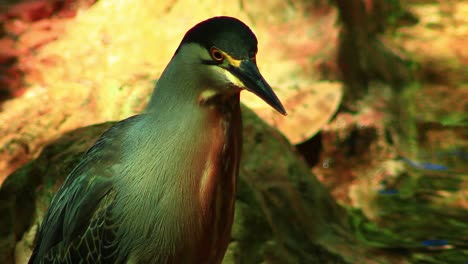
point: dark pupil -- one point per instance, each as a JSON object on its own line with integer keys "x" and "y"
{"x": 217, "y": 55}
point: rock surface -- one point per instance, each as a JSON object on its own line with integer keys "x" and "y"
{"x": 282, "y": 212}
{"x": 393, "y": 156}
{"x": 103, "y": 62}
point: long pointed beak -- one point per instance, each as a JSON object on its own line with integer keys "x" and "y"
{"x": 250, "y": 76}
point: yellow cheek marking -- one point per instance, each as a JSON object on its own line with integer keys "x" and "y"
{"x": 231, "y": 60}
{"x": 236, "y": 63}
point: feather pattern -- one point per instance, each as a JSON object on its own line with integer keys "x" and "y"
{"x": 160, "y": 187}
{"x": 79, "y": 223}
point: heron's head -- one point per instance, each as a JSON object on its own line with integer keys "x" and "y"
{"x": 221, "y": 53}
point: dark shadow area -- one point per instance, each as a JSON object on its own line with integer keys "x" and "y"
{"x": 311, "y": 149}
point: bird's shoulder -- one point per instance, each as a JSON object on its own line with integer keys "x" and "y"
{"x": 86, "y": 193}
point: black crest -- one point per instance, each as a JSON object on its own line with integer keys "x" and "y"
{"x": 226, "y": 33}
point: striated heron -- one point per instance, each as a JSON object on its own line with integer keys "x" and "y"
{"x": 159, "y": 187}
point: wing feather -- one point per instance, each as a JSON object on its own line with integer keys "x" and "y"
{"x": 79, "y": 224}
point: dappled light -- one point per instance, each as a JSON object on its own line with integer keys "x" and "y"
{"x": 369, "y": 165}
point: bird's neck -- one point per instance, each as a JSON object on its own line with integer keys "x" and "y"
{"x": 178, "y": 86}
{"x": 188, "y": 158}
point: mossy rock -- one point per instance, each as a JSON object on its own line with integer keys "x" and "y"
{"x": 281, "y": 209}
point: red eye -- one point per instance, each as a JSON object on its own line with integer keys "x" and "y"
{"x": 216, "y": 55}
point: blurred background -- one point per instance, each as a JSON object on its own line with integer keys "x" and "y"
{"x": 376, "y": 91}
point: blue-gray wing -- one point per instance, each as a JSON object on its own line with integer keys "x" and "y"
{"x": 79, "y": 226}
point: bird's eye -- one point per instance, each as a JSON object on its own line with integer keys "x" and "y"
{"x": 216, "y": 55}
